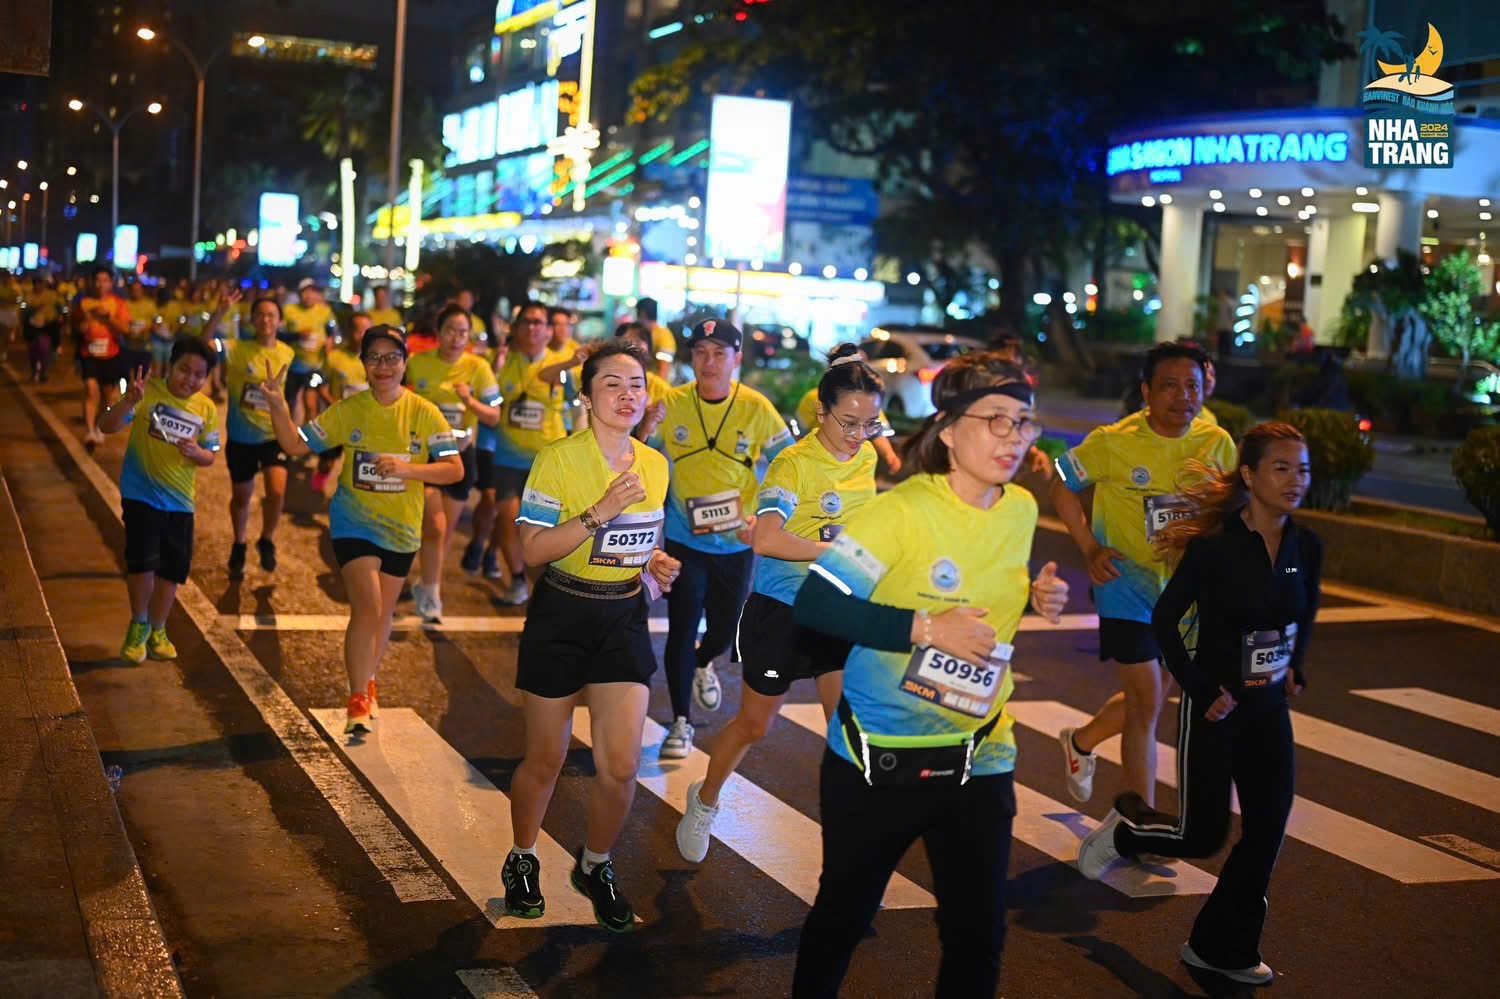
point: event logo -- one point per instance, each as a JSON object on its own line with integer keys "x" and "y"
{"x": 1408, "y": 109}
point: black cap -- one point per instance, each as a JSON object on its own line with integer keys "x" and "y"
{"x": 382, "y": 332}
{"x": 721, "y": 330}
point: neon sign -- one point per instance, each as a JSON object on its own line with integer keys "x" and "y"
{"x": 1229, "y": 148}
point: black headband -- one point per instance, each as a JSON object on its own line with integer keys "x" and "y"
{"x": 1020, "y": 391}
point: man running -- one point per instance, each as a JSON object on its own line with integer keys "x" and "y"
{"x": 1137, "y": 467}
{"x": 101, "y": 322}
{"x": 663, "y": 344}
{"x": 383, "y": 313}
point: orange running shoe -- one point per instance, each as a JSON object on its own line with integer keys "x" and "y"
{"x": 358, "y": 712}
{"x": 370, "y": 693}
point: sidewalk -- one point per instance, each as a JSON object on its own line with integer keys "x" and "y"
{"x": 75, "y": 918}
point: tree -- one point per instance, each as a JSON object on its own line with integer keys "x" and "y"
{"x": 1375, "y": 44}
{"x": 1393, "y": 295}
{"x": 1447, "y": 303}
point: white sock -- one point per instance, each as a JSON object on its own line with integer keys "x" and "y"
{"x": 592, "y": 860}
{"x": 525, "y": 851}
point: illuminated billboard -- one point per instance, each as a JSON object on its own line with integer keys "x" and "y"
{"x": 127, "y": 243}
{"x": 87, "y": 248}
{"x": 745, "y": 218}
{"x": 278, "y": 230}
{"x": 29, "y": 256}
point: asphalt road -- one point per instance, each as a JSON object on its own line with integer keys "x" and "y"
{"x": 284, "y": 862}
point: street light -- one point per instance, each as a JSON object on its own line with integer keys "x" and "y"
{"x": 114, "y": 125}
{"x": 256, "y": 41}
{"x": 200, "y": 68}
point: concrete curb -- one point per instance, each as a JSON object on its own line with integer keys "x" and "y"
{"x": 42, "y": 714}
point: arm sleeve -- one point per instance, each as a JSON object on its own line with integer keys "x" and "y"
{"x": 1312, "y": 575}
{"x": 1181, "y": 593}
{"x": 326, "y": 430}
{"x": 823, "y": 607}
{"x": 433, "y": 430}
{"x": 779, "y": 492}
{"x": 776, "y": 436}
{"x": 1086, "y": 464}
{"x": 486, "y": 389}
{"x": 542, "y": 503}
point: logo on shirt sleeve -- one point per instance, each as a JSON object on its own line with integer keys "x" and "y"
{"x": 863, "y": 559}
{"x": 1075, "y": 467}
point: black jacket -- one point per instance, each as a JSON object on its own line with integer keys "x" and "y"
{"x": 1238, "y": 591}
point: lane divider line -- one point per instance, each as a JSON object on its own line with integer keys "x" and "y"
{"x": 1453, "y": 710}
{"x": 495, "y": 983}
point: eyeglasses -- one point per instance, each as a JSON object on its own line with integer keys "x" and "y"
{"x": 1003, "y": 426}
{"x": 390, "y": 358}
{"x": 874, "y": 428}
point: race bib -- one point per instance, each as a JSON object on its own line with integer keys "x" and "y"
{"x": 251, "y": 397}
{"x": 827, "y": 532}
{"x": 311, "y": 342}
{"x": 627, "y": 541}
{"x": 366, "y": 476}
{"x": 354, "y": 388}
{"x": 172, "y": 425}
{"x": 526, "y": 414}
{"x": 1163, "y": 510}
{"x": 953, "y": 683}
{"x": 716, "y": 513}
{"x": 454, "y": 413}
{"x": 99, "y": 348}
{"x": 1265, "y": 655}
{"x": 138, "y": 326}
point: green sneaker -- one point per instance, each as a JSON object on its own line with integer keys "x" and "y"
{"x": 159, "y": 646}
{"x": 133, "y": 649}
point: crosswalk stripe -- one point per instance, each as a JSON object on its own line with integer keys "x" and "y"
{"x": 1057, "y": 829}
{"x": 1477, "y": 852}
{"x": 495, "y": 983}
{"x": 1405, "y": 764}
{"x": 752, "y": 822}
{"x": 1342, "y": 835}
{"x": 462, "y": 818}
{"x": 1440, "y": 706}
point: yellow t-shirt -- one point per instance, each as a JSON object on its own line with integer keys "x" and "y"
{"x": 1208, "y": 416}
{"x": 154, "y": 471}
{"x": 531, "y": 415}
{"x": 346, "y": 374}
{"x": 657, "y": 388}
{"x": 1137, "y": 475}
{"x": 310, "y": 326}
{"x": 714, "y": 448}
{"x": 433, "y": 379}
{"x": 663, "y": 344}
{"x": 386, "y": 512}
{"x": 568, "y": 477}
{"x": 249, "y": 420}
{"x": 807, "y": 416}
{"x": 385, "y": 317}
{"x": 816, "y": 494}
{"x": 143, "y": 313}
{"x": 919, "y": 546}
{"x": 42, "y": 307}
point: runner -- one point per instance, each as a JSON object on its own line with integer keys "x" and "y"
{"x": 657, "y": 387}
{"x": 177, "y": 435}
{"x": 1253, "y": 574}
{"x": 43, "y": 329}
{"x": 101, "y": 322}
{"x": 138, "y": 336}
{"x": 252, "y": 448}
{"x": 1136, "y": 467}
{"x": 808, "y": 409}
{"x": 346, "y": 377}
{"x": 663, "y": 343}
{"x": 531, "y": 418}
{"x": 715, "y": 433}
{"x": 382, "y": 312}
{"x": 307, "y": 325}
{"x": 463, "y": 388}
{"x": 592, "y": 515}
{"x": 11, "y": 294}
{"x": 560, "y": 322}
{"x": 811, "y": 490}
{"x": 400, "y": 442}
{"x": 929, "y": 581}
{"x": 482, "y": 552}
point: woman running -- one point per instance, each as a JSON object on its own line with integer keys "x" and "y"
{"x": 810, "y": 491}
{"x": 929, "y": 581}
{"x": 398, "y": 443}
{"x": 592, "y": 513}
{"x": 809, "y": 410}
{"x": 1253, "y": 573}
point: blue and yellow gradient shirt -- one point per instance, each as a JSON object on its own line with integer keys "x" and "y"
{"x": 154, "y": 471}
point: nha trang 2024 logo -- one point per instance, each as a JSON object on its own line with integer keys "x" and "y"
{"x": 1408, "y": 109}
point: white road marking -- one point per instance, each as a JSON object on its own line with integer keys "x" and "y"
{"x": 1476, "y": 852}
{"x": 1057, "y": 829}
{"x": 752, "y": 822}
{"x": 495, "y": 983}
{"x": 1342, "y": 835}
{"x": 462, "y": 818}
{"x": 409, "y": 874}
{"x": 1441, "y": 706}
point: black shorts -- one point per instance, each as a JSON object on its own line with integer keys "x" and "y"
{"x": 461, "y": 489}
{"x": 159, "y": 541}
{"x": 247, "y": 460}
{"x": 104, "y": 370}
{"x": 776, "y": 650}
{"x": 398, "y": 564}
{"x": 510, "y": 483}
{"x": 132, "y": 360}
{"x": 484, "y": 470}
{"x": 1127, "y": 641}
{"x": 297, "y": 382}
{"x": 571, "y": 641}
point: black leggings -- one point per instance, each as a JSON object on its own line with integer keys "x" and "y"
{"x": 1252, "y": 748}
{"x": 711, "y": 586}
{"x": 866, "y": 830}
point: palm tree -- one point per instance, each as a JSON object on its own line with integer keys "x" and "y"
{"x": 1375, "y": 44}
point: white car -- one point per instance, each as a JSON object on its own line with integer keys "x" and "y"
{"x": 908, "y": 358}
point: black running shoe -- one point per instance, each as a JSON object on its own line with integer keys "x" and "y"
{"x": 610, "y": 907}
{"x": 472, "y": 554}
{"x": 237, "y": 559}
{"x": 266, "y": 548}
{"x": 522, "y": 877}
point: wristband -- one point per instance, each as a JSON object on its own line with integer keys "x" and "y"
{"x": 926, "y": 622}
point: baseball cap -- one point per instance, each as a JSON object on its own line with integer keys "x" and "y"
{"x": 306, "y": 282}
{"x": 721, "y": 330}
{"x": 384, "y": 331}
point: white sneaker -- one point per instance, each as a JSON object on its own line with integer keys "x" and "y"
{"x": 697, "y": 822}
{"x": 1261, "y": 974}
{"x": 679, "y": 741}
{"x": 1097, "y": 851}
{"x": 427, "y": 603}
{"x": 707, "y": 692}
{"x": 518, "y": 593}
{"x": 1079, "y": 766}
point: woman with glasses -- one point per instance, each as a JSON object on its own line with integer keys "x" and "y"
{"x": 397, "y": 443}
{"x": 929, "y": 581}
{"x": 809, "y": 492}
{"x": 808, "y": 417}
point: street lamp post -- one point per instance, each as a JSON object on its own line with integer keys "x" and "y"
{"x": 114, "y": 125}
{"x": 43, "y": 186}
{"x": 395, "y": 148}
